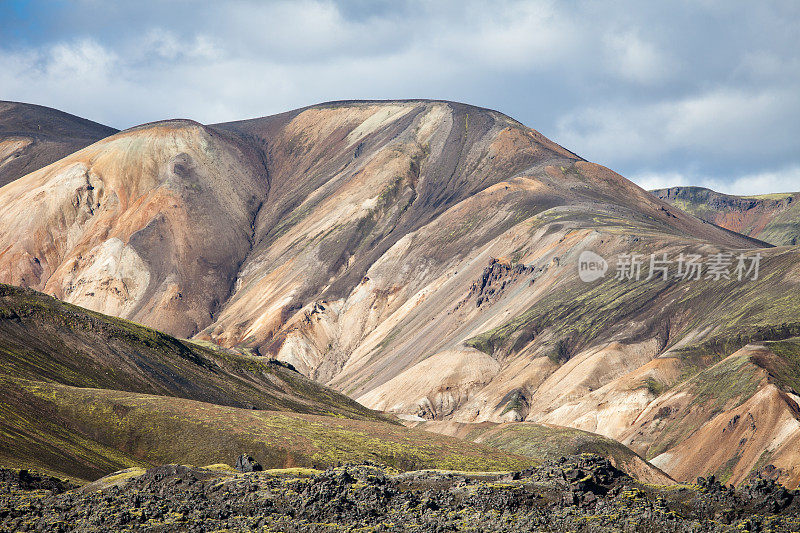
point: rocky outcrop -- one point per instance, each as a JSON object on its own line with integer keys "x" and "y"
{"x": 574, "y": 493}
{"x": 245, "y": 463}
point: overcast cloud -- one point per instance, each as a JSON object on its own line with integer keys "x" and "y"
{"x": 666, "y": 93}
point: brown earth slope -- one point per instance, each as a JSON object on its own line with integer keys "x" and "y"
{"x": 419, "y": 256}
{"x": 774, "y": 218}
{"x": 33, "y": 136}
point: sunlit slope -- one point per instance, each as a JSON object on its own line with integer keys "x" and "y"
{"x": 550, "y": 443}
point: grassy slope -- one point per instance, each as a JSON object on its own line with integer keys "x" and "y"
{"x": 44, "y": 339}
{"x": 83, "y": 395}
{"x": 87, "y": 433}
{"x": 550, "y": 442}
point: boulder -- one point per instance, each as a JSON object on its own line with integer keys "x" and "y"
{"x": 245, "y": 463}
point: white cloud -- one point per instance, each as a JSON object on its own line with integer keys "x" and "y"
{"x": 654, "y": 180}
{"x": 79, "y": 59}
{"x": 636, "y": 60}
{"x": 165, "y": 45}
{"x": 629, "y": 84}
{"x": 781, "y": 180}
{"x": 720, "y": 122}
{"x": 511, "y": 35}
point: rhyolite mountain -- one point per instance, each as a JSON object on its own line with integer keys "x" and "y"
{"x": 421, "y": 257}
{"x": 774, "y": 218}
{"x": 33, "y": 136}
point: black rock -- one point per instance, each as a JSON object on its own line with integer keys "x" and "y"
{"x": 245, "y": 463}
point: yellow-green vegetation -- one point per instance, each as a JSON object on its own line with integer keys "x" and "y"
{"x": 84, "y": 395}
{"x": 116, "y": 479}
{"x": 723, "y": 386}
{"x": 44, "y": 339}
{"x": 580, "y": 315}
{"x": 551, "y": 442}
{"x": 137, "y": 430}
{"x": 786, "y": 370}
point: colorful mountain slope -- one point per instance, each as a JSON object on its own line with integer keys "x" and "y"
{"x": 774, "y": 218}
{"x": 419, "y": 256}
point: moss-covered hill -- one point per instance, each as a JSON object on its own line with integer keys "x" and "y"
{"x": 87, "y": 433}
{"x": 83, "y": 395}
{"x": 549, "y": 442}
{"x": 44, "y": 339}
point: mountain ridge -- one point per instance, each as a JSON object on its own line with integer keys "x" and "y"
{"x": 375, "y": 244}
{"x": 34, "y": 136}
{"x": 771, "y": 217}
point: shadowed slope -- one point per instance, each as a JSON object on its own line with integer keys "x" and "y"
{"x": 83, "y": 394}
{"x": 88, "y": 433}
{"x": 32, "y": 137}
{"x": 43, "y": 339}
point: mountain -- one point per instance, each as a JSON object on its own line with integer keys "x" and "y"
{"x": 85, "y": 395}
{"x": 421, "y": 257}
{"x": 774, "y": 218}
{"x": 33, "y": 136}
{"x": 731, "y": 419}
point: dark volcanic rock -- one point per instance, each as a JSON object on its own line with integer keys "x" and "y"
{"x": 25, "y": 480}
{"x": 245, "y": 463}
{"x": 577, "y": 493}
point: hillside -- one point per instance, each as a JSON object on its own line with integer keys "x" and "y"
{"x": 84, "y": 395}
{"x": 774, "y": 218}
{"x": 550, "y": 443}
{"x": 420, "y": 257}
{"x": 33, "y": 136}
{"x": 85, "y": 433}
{"x": 43, "y": 339}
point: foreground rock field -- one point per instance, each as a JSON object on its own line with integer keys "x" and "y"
{"x": 576, "y": 493}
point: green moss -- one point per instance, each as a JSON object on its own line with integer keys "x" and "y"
{"x": 151, "y": 429}
{"x": 53, "y": 341}
{"x": 654, "y": 387}
{"x": 787, "y": 371}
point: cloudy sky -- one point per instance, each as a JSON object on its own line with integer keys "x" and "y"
{"x": 666, "y": 93}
